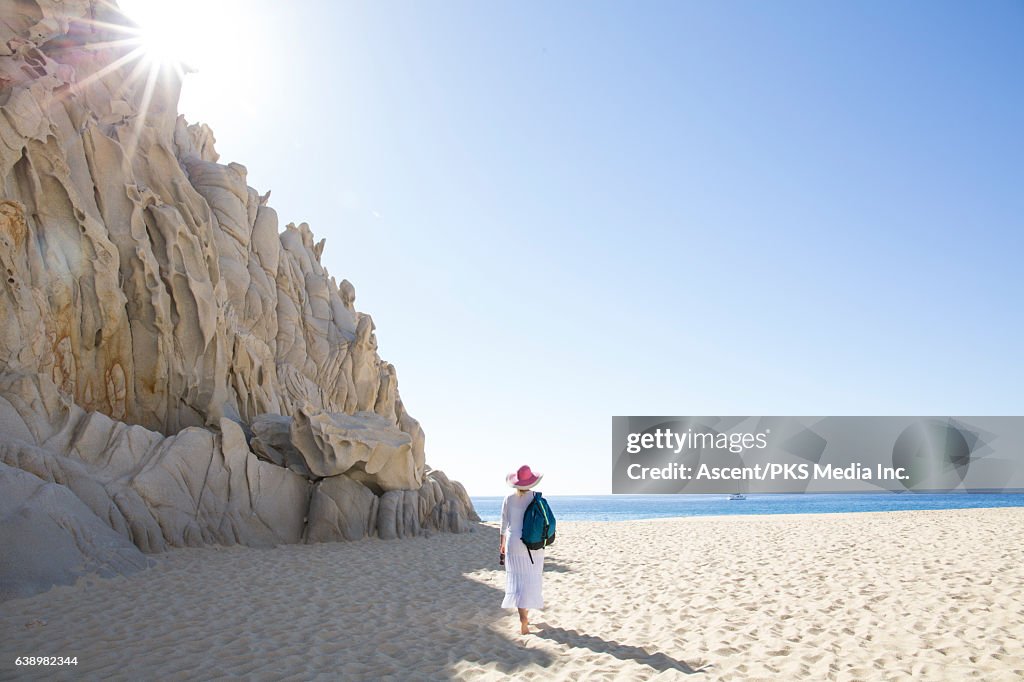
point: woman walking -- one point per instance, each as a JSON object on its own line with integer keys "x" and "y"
{"x": 523, "y": 577}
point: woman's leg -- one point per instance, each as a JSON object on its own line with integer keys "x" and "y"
{"x": 524, "y": 622}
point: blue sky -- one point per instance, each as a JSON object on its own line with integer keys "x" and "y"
{"x": 558, "y": 212}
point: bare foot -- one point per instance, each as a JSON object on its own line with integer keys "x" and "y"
{"x": 524, "y": 628}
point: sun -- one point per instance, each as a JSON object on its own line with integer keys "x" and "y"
{"x": 164, "y": 45}
{"x": 210, "y": 55}
{"x": 187, "y": 34}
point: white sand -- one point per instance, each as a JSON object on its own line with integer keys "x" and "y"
{"x": 922, "y": 595}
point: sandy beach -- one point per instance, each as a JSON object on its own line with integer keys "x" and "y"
{"x": 897, "y": 595}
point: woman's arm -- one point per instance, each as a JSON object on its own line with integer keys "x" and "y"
{"x": 504, "y": 525}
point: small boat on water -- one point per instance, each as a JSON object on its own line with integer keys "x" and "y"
{"x": 737, "y": 496}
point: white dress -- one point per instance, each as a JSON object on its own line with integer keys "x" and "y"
{"x": 523, "y": 580}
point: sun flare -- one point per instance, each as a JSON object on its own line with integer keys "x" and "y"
{"x": 163, "y": 46}
{"x": 170, "y": 34}
{"x": 206, "y": 53}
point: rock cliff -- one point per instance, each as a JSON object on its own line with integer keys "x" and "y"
{"x": 174, "y": 369}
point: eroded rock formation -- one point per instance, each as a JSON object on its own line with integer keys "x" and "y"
{"x": 181, "y": 368}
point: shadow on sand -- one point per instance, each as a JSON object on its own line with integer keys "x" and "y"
{"x": 658, "y": 661}
{"x": 507, "y": 652}
{"x": 418, "y": 608}
{"x": 553, "y": 566}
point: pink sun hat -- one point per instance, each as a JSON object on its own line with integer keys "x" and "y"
{"x": 523, "y": 478}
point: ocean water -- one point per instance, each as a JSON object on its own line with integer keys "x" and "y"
{"x": 630, "y": 507}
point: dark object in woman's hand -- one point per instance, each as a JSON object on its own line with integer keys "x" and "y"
{"x": 501, "y": 558}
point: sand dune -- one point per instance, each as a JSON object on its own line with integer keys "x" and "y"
{"x": 899, "y": 595}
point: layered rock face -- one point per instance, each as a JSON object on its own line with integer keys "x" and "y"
{"x": 169, "y": 360}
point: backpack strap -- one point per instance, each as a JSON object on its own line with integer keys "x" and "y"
{"x": 528, "y": 552}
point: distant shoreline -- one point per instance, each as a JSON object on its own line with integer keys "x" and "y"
{"x": 642, "y": 507}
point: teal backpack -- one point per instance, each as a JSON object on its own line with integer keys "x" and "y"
{"x": 538, "y": 525}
